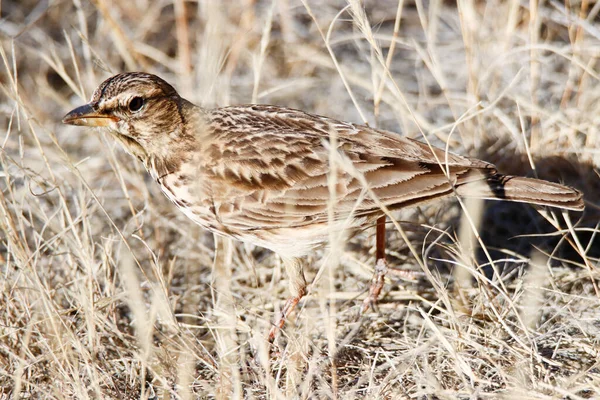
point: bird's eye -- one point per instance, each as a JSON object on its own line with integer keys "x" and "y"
{"x": 136, "y": 104}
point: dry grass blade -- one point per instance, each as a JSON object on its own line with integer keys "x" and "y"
{"x": 109, "y": 292}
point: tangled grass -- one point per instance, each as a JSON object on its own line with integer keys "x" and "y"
{"x": 109, "y": 292}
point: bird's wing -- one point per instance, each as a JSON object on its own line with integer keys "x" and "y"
{"x": 269, "y": 167}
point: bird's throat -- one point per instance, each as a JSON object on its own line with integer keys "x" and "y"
{"x": 131, "y": 146}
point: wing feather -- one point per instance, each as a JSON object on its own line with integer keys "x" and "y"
{"x": 272, "y": 164}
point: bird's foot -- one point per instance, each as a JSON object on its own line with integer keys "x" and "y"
{"x": 377, "y": 282}
{"x": 406, "y": 274}
{"x": 289, "y": 306}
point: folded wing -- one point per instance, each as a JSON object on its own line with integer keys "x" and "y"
{"x": 271, "y": 169}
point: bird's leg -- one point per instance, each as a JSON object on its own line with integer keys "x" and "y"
{"x": 294, "y": 267}
{"x": 380, "y": 267}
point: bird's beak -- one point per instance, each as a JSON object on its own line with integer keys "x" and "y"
{"x": 87, "y": 116}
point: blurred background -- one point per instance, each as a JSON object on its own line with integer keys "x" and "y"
{"x": 108, "y": 291}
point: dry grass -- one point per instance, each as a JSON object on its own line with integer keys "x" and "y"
{"x": 109, "y": 292}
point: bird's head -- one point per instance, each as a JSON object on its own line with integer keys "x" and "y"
{"x": 140, "y": 110}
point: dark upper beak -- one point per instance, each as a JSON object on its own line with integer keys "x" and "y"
{"x": 87, "y": 116}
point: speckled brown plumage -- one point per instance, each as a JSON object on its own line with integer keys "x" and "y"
{"x": 260, "y": 173}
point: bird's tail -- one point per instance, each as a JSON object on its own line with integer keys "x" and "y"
{"x": 519, "y": 189}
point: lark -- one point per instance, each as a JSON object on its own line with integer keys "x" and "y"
{"x": 263, "y": 174}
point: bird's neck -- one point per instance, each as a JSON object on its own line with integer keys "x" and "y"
{"x": 180, "y": 145}
{"x": 160, "y": 164}
{"x": 159, "y": 167}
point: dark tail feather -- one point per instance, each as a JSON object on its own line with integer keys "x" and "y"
{"x": 525, "y": 190}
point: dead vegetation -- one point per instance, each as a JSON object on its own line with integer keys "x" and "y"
{"x": 108, "y": 291}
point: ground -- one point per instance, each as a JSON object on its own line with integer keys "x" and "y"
{"x": 108, "y": 291}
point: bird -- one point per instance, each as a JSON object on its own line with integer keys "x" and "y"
{"x": 265, "y": 175}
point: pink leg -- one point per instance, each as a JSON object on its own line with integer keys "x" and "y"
{"x": 289, "y": 306}
{"x": 295, "y": 271}
{"x": 380, "y": 268}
